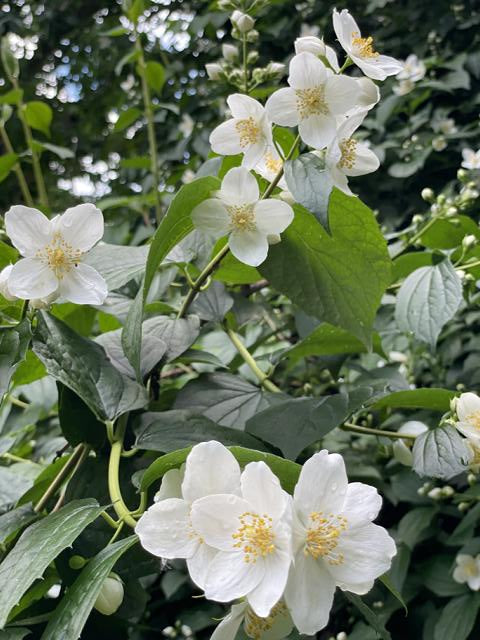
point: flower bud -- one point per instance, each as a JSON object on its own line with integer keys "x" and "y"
{"x": 448, "y": 491}
{"x": 417, "y": 219}
{"x": 463, "y": 506}
{"x": 252, "y": 35}
{"x": 471, "y": 479}
{"x": 469, "y": 241}
{"x": 9, "y": 61}
{"x": 273, "y": 238}
{"x": 229, "y": 52}
{"x": 4, "y": 290}
{"x": 252, "y": 57}
{"x": 441, "y": 199}
{"x": 439, "y": 143}
{"x": 6, "y": 113}
{"x": 77, "y": 562}
{"x": 451, "y": 211}
{"x": 428, "y": 195}
{"x": 310, "y": 44}
{"x": 462, "y": 175}
{"x": 111, "y": 595}
{"x": 214, "y": 71}
{"x": 242, "y": 21}
{"x": 435, "y": 494}
{"x": 276, "y": 68}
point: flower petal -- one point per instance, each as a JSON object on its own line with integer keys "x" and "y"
{"x": 273, "y": 216}
{"x": 250, "y": 247}
{"x": 362, "y": 504}
{"x": 165, "y": 530}
{"x": 199, "y": 563}
{"x": 367, "y": 553}
{"x": 202, "y": 477}
{"x": 30, "y": 278}
{"x": 254, "y": 153}
{"x": 306, "y": 71}
{"x": 28, "y": 229}
{"x": 217, "y": 517}
{"x": 341, "y": 94}
{"x": 261, "y": 488}
{"x": 340, "y": 180}
{"x": 282, "y": 107}
{"x": 309, "y": 594}
{"x": 468, "y": 429}
{"x": 345, "y": 26}
{"x": 81, "y": 226}
{"x": 317, "y": 131}
{"x": 229, "y": 626}
{"x": 239, "y": 187}
{"x": 225, "y": 139}
{"x": 211, "y": 216}
{"x": 171, "y": 486}
{"x": 322, "y": 485}
{"x": 83, "y": 285}
{"x": 365, "y": 161}
{"x": 230, "y": 577}
{"x": 269, "y": 591}
{"x": 243, "y": 106}
{"x": 467, "y": 405}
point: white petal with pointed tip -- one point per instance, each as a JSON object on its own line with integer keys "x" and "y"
{"x": 83, "y": 285}
{"x": 261, "y": 488}
{"x": 322, "y": 485}
{"x": 28, "y": 229}
{"x": 30, "y": 278}
{"x": 270, "y": 590}
{"x": 229, "y": 626}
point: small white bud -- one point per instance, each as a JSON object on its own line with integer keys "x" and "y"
{"x": 169, "y": 632}
{"x": 310, "y": 44}
{"x": 242, "y": 21}
{"x": 439, "y": 143}
{"x": 4, "y": 290}
{"x": 463, "y": 506}
{"x": 448, "y": 491}
{"x": 469, "y": 241}
{"x": 276, "y": 68}
{"x": 471, "y": 479}
{"x": 186, "y": 630}
{"x": 111, "y": 595}
{"x": 427, "y": 194}
{"x": 230, "y": 52}
{"x": 214, "y": 70}
{"x": 342, "y": 635}
{"x": 435, "y": 494}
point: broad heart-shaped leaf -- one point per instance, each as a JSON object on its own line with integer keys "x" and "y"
{"x": 39, "y": 116}
{"x": 38, "y": 546}
{"x": 224, "y": 398}
{"x": 457, "y": 618}
{"x": 427, "y": 300}
{"x": 294, "y": 424}
{"x": 176, "y": 224}
{"x": 433, "y": 399}
{"x": 213, "y": 303}
{"x": 77, "y": 421}
{"x": 440, "y": 453}
{"x": 117, "y": 264}
{"x": 72, "y": 613}
{"x": 83, "y": 366}
{"x": 369, "y": 615}
{"x": 179, "y": 428}
{"x": 310, "y": 184}
{"x": 14, "y": 343}
{"x": 338, "y": 278}
{"x": 285, "y": 470}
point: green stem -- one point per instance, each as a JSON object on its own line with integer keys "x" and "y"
{"x": 17, "y": 402}
{"x": 245, "y": 67}
{"x": 420, "y": 232}
{"x": 250, "y": 361}
{"x": 119, "y": 505}
{"x": 60, "y": 477}
{"x": 27, "y": 196}
{"x": 37, "y": 169}
{"x": 355, "y": 428}
{"x": 470, "y": 265}
{"x": 152, "y": 142}
{"x": 277, "y": 178}
{"x": 345, "y": 65}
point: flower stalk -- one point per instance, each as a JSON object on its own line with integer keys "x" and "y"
{"x": 22, "y": 182}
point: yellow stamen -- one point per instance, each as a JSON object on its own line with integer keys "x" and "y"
{"x": 59, "y": 255}
{"x": 311, "y": 102}
{"x": 363, "y": 46}
{"x": 242, "y": 217}
{"x": 323, "y": 536}
{"x": 474, "y": 419}
{"x": 273, "y": 164}
{"x": 248, "y": 130}
{"x": 348, "y": 149}
{"x": 255, "y": 536}
{"x": 255, "y": 626}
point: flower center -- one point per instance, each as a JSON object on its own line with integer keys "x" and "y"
{"x": 248, "y": 130}
{"x": 363, "y": 46}
{"x": 323, "y": 536}
{"x": 474, "y": 419}
{"x": 311, "y": 102}
{"x": 59, "y": 255}
{"x": 273, "y": 164}
{"x": 255, "y": 626}
{"x": 242, "y": 217}
{"x": 348, "y": 149}
{"x": 254, "y": 536}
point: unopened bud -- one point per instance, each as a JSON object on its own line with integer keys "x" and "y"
{"x": 9, "y": 61}
{"x": 435, "y": 494}
{"x": 252, "y": 36}
{"x": 77, "y": 562}
{"x": 252, "y": 57}
{"x": 273, "y": 238}
{"x": 111, "y": 595}
{"x": 448, "y": 491}
{"x": 169, "y": 632}
{"x": 342, "y": 635}
{"x": 471, "y": 479}
{"x": 242, "y": 21}
{"x": 462, "y": 175}
{"x": 229, "y": 52}
{"x": 463, "y": 506}
{"x": 276, "y": 68}
{"x": 469, "y": 241}
{"x": 417, "y": 219}
{"x": 453, "y": 405}
{"x": 451, "y": 212}
{"x": 214, "y": 71}
{"x": 428, "y": 195}
{"x": 310, "y": 44}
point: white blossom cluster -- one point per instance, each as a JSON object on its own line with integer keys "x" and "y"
{"x": 243, "y": 537}
{"x": 326, "y": 106}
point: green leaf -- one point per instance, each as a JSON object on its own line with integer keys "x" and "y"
{"x": 83, "y": 367}
{"x": 440, "y": 453}
{"x": 8, "y": 254}
{"x": 433, "y": 399}
{"x": 126, "y": 118}
{"x": 233, "y": 271}
{"x": 176, "y": 429}
{"x": 14, "y": 633}
{"x": 117, "y": 264}
{"x": 385, "y": 580}
{"x": 340, "y": 278}
{"x": 224, "y": 398}
{"x": 457, "y": 618}
{"x": 369, "y": 615}
{"x": 39, "y": 116}
{"x": 427, "y": 300}
{"x": 12, "y": 521}
{"x": 61, "y": 152}
{"x": 136, "y": 8}
{"x": 310, "y": 184}
{"x": 155, "y": 74}
{"x": 448, "y": 234}
{"x": 296, "y": 423}
{"x": 38, "y": 546}
{"x": 14, "y": 343}
{"x": 72, "y": 613}
{"x": 213, "y": 303}
{"x": 7, "y": 162}
{"x": 414, "y": 523}
{"x": 437, "y": 576}
{"x": 286, "y": 471}
{"x": 11, "y": 97}
{"x": 408, "y": 262}
{"x": 77, "y": 421}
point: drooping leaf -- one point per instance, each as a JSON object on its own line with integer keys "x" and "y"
{"x": 440, "y": 453}
{"x": 126, "y": 118}
{"x": 457, "y": 618}
{"x": 14, "y": 343}
{"x": 38, "y": 546}
{"x": 39, "y": 116}
{"x": 369, "y": 615}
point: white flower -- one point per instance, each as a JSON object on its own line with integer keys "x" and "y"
{"x": 347, "y": 157}
{"x": 412, "y": 69}
{"x": 214, "y": 70}
{"x": 312, "y": 44}
{"x": 313, "y": 101}
{"x": 229, "y": 52}
{"x": 248, "y": 131}
{"x": 53, "y": 251}
{"x": 467, "y": 570}
{"x": 360, "y": 50}
{"x": 471, "y": 159}
{"x": 445, "y": 126}
{"x": 277, "y": 625}
{"x": 253, "y": 536}
{"x": 238, "y": 211}
{"x": 335, "y": 542}
{"x": 242, "y": 21}
{"x": 269, "y": 166}
{"x": 402, "y": 449}
{"x": 186, "y": 125}
{"x": 165, "y": 529}
{"x": 439, "y": 143}
{"x": 468, "y": 414}
{"x": 404, "y": 87}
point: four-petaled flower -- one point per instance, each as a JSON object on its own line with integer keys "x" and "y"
{"x": 313, "y": 101}
{"x": 467, "y": 570}
{"x": 53, "y": 251}
{"x": 361, "y": 50}
{"x": 238, "y": 211}
{"x": 412, "y": 69}
{"x": 335, "y": 543}
{"x": 248, "y": 131}
{"x": 253, "y": 536}
{"x": 471, "y": 159}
